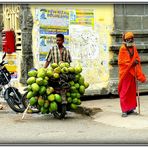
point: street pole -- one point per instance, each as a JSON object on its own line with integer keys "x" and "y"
{"x": 26, "y": 24}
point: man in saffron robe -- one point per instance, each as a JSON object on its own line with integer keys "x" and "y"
{"x": 129, "y": 70}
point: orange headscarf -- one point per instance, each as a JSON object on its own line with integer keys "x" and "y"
{"x": 128, "y": 35}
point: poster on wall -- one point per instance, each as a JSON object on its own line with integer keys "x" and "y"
{"x": 51, "y": 22}
{"x": 55, "y": 20}
{"x": 12, "y": 65}
{"x": 75, "y": 24}
{"x": 83, "y": 17}
{"x": 84, "y": 37}
{"x": 46, "y": 43}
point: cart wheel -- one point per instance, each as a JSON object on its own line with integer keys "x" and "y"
{"x": 62, "y": 113}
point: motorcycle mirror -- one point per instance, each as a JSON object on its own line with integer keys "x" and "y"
{"x": 4, "y": 56}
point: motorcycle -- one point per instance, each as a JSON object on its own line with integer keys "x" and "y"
{"x": 61, "y": 87}
{"x": 11, "y": 94}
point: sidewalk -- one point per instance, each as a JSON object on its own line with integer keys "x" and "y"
{"x": 107, "y": 111}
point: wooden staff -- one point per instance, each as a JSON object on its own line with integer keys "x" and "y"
{"x": 137, "y": 91}
{"x": 24, "y": 113}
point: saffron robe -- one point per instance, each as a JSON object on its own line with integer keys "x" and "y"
{"x": 127, "y": 75}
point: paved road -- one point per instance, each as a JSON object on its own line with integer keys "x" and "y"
{"x": 106, "y": 127}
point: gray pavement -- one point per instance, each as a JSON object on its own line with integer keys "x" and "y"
{"x": 100, "y": 122}
{"x": 107, "y": 111}
{"x": 110, "y": 113}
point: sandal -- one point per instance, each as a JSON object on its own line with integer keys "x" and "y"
{"x": 124, "y": 114}
{"x": 132, "y": 112}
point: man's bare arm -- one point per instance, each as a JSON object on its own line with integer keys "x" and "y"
{"x": 46, "y": 64}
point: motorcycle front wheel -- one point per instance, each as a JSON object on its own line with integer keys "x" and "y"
{"x": 14, "y": 99}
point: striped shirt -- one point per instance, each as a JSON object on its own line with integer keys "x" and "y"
{"x": 54, "y": 55}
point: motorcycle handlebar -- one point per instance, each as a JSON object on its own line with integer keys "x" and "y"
{"x": 3, "y": 63}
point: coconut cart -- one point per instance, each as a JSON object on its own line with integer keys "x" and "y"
{"x": 54, "y": 90}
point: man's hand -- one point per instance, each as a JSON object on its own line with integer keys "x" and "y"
{"x": 135, "y": 63}
{"x": 46, "y": 64}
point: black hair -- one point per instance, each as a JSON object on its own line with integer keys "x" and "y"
{"x": 60, "y": 36}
